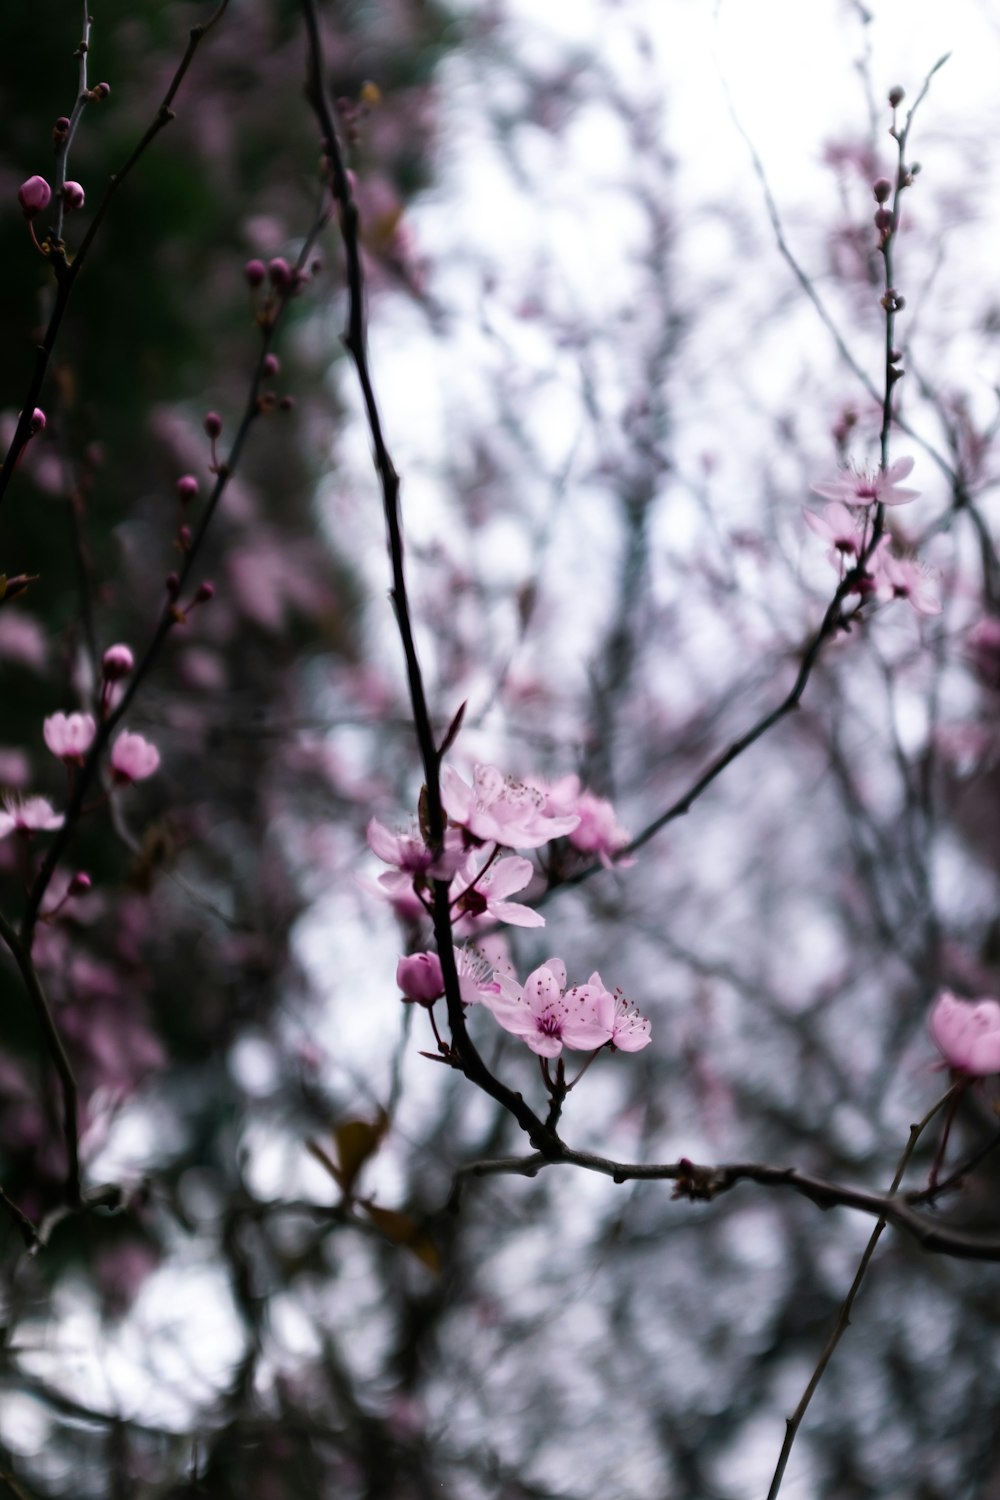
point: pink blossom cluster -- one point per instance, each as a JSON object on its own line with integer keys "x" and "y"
{"x": 844, "y": 524}
{"x": 485, "y": 817}
{"x": 544, "y": 1013}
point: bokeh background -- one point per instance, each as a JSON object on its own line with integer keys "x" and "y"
{"x": 624, "y": 302}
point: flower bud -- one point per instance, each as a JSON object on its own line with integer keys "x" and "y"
{"x": 100, "y": 91}
{"x": 205, "y": 592}
{"x": 883, "y": 219}
{"x": 896, "y": 96}
{"x": 117, "y": 662}
{"x": 73, "y": 196}
{"x": 882, "y": 187}
{"x": 213, "y": 424}
{"x": 271, "y": 365}
{"x": 187, "y": 488}
{"x": 420, "y": 979}
{"x": 34, "y": 196}
{"x": 254, "y": 271}
{"x": 280, "y": 272}
{"x": 80, "y": 884}
{"x": 38, "y": 420}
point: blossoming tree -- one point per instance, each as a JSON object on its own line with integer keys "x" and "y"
{"x": 323, "y": 1168}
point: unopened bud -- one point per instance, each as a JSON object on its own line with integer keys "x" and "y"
{"x": 254, "y": 272}
{"x": 184, "y": 537}
{"x": 73, "y": 196}
{"x": 882, "y": 187}
{"x": 883, "y": 219}
{"x": 187, "y": 488}
{"x": 896, "y": 96}
{"x": 204, "y": 592}
{"x": 212, "y": 424}
{"x": 38, "y": 420}
{"x": 80, "y": 884}
{"x": 173, "y": 585}
{"x": 100, "y": 91}
{"x": 287, "y": 403}
{"x": 59, "y": 129}
{"x": 280, "y": 272}
{"x": 117, "y": 662}
{"x": 271, "y": 365}
{"x": 34, "y": 196}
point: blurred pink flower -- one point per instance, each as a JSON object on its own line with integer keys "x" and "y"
{"x": 598, "y": 830}
{"x": 869, "y": 486}
{"x": 842, "y": 527}
{"x": 496, "y": 809}
{"x": 967, "y": 1033}
{"x": 69, "y": 736}
{"x": 906, "y": 578}
{"x": 133, "y": 758}
{"x": 33, "y": 815}
{"x": 409, "y": 853}
{"x": 628, "y": 1030}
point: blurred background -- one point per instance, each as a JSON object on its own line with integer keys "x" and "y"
{"x": 624, "y": 289}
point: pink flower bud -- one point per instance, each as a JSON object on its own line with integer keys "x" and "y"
{"x": 184, "y": 537}
{"x": 173, "y": 585}
{"x": 254, "y": 271}
{"x": 38, "y": 420}
{"x": 116, "y": 663}
{"x": 34, "y": 196}
{"x": 59, "y": 129}
{"x": 882, "y": 187}
{"x": 101, "y": 90}
{"x": 80, "y": 884}
{"x": 271, "y": 365}
{"x": 279, "y": 272}
{"x": 420, "y": 979}
{"x": 204, "y": 593}
{"x": 73, "y": 196}
{"x": 212, "y": 424}
{"x": 187, "y": 488}
{"x": 133, "y": 758}
{"x": 896, "y": 96}
{"x": 287, "y": 403}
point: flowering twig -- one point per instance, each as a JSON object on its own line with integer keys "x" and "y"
{"x": 67, "y": 271}
{"x": 355, "y": 342}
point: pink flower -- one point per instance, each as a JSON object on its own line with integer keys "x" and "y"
{"x": 967, "y": 1032}
{"x": 33, "y": 815}
{"x": 420, "y": 979}
{"x": 69, "y": 736}
{"x": 842, "y": 527}
{"x": 478, "y": 982}
{"x": 546, "y": 1016}
{"x": 906, "y": 578}
{"x": 598, "y": 830}
{"x": 409, "y": 853}
{"x": 496, "y": 809}
{"x": 133, "y": 758}
{"x": 34, "y": 196}
{"x": 628, "y": 1031}
{"x": 870, "y": 486}
{"x": 486, "y": 895}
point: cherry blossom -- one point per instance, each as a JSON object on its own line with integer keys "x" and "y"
{"x": 479, "y": 982}
{"x": 625, "y": 1029}
{"x": 906, "y": 578}
{"x": 409, "y": 853}
{"x": 598, "y": 830}
{"x": 967, "y": 1032}
{"x": 841, "y": 526}
{"x": 868, "y": 486}
{"x": 69, "y": 736}
{"x": 547, "y": 1016}
{"x": 133, "y": 758}
{"x": 485, "y": 895}
{"x": 496, "y": 809}
{"x": 33, "y": 815}
{"x": 420, "y": 979}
